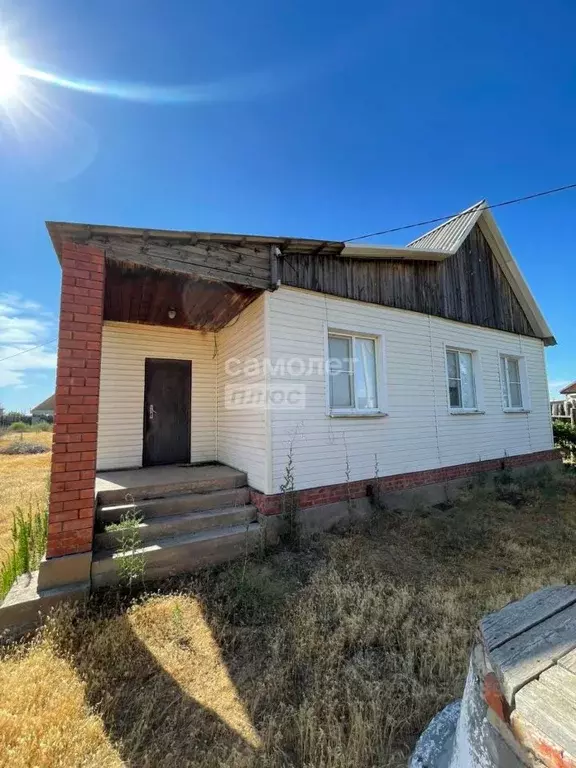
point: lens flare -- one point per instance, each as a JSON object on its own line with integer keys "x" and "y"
{"x": 10, "y": 74}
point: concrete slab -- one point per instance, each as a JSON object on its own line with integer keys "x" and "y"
{"x": 169, "y": 526}
{"x": 175, "y": 504}
{"x": 181, "y": 554}
{"x": 64, "y": 571}
{"x": 150, "y": 482}
{"x": 319, "y": 519}
{"x": 25, "y": 605}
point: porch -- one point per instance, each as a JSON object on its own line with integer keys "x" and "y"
{"x": 147, "y": 320}
{"x": 180, "y": 518}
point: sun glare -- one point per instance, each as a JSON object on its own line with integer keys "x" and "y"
{"x": 10, "y": 72}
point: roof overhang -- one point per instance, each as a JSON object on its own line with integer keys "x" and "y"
{"x": 569, "y": 390}
{"x": 393, "y": 252}
{"x": 434, "y": 246}
{"x": 509, "y": 265}
{"x": 62, "y": 231}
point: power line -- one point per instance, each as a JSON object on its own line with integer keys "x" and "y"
{"x": 462, "y": 213}
{"x": 30, "y": 349}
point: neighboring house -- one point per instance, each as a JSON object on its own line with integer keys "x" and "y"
{"x": 565, "y": 409}
{"x": 192, "y": 347}
{"x": 44, "y": 411}
{"x": 570, "y": 392}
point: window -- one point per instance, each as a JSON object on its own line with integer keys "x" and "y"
{"x": 461, "y": 384}
{"x": 511, "y": 380}
{"x": 352, "y": 373}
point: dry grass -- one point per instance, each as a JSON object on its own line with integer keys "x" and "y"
{"x": 331, "y": 657}
{"x": 23, "y": 481}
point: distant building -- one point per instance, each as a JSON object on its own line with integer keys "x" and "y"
{"x": 569, "y": 391}
{"x": 565, "y": 409}
{"x": 44, "y": 411}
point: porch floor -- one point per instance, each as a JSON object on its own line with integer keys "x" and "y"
{"x": 150, "y": 482}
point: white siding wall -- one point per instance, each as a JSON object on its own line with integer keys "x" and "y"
{"x": 120, "y": 424}
{"x": 419, "y": 432}
{"x": 242, "y": 432}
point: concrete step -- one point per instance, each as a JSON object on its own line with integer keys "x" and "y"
{"x": 174, "y": 505}
{"x": 156, "y": 528}
{"x": 181, "y": 554}
{"x": 160, "y": 482}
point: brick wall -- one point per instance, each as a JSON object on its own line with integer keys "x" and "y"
{"x": 328, "y": 494}
{"x": 71, "y": 511}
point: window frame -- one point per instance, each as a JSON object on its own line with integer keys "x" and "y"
{"x": 381, "y": 390}
{"x": 476, "y": 380}
{"x": 524, "y": 389}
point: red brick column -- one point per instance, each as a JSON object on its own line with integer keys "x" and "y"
{"x": 71, "y": 511}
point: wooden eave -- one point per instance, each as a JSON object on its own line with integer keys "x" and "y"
{"x": 252, "y": 261}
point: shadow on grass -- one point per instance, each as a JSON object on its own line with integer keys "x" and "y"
{"x": 167, "y": 672}
{"x": 346, "y": 648}
{"x": 156, "y": 677}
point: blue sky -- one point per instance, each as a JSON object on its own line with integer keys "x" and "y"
{"x": 322, "y": 119}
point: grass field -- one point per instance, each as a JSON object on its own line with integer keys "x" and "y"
{"x": 333, "y": 656}
{"x": 23, "y": 481}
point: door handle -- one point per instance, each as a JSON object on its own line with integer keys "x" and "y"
{"x": 151, "y": 412}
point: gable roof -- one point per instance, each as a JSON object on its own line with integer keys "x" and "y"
{"x": 569, "y": 390}
{"x": 449, "y": 237}
{"x": 45, "y": 405}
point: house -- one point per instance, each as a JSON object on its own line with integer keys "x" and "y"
{"x": 569, "y": 391}
{"x": 203, "y": 377}
{"x": 44, "y": 411}
{"x": 566, "y": 408}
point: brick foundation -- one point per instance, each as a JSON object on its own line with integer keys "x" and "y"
{"x": 328, "y": 494}
{"x": 71, "y": 510}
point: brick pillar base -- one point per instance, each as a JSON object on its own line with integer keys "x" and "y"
{"x": 73, "y": 473}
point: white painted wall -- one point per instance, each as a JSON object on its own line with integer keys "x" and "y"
{"x": 242, "y": 432}
{"x": 419, "y": 432}
{"x": 120, "y": 422}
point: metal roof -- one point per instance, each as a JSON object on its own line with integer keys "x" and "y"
{"x": 450, "y": 235}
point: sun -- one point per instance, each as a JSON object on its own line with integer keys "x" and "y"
{"x": 10, "y": 72}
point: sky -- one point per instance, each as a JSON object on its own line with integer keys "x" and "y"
{"x": 300, "y": 118}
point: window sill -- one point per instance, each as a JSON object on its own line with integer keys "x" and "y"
{"x": 466, "y": 412}
{"x": 357, "y": 414}
{"x": 516, "y": 410}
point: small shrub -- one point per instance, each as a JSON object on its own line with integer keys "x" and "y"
{"x": 41, "y": 426}
{"x": 29, "y": 534}
{"x": 291, "y": 533}
{"x": 565, "y": 437}
{"x": 131, "y": 563}
{"x": 18, "y": 426}
{"x": 526, "y": 488}
{"x": 22, "y": 448}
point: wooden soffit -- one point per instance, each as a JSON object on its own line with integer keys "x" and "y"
{"x": 135, "y": 294}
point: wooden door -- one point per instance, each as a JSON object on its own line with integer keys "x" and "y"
{"x": 167, "y": 391}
